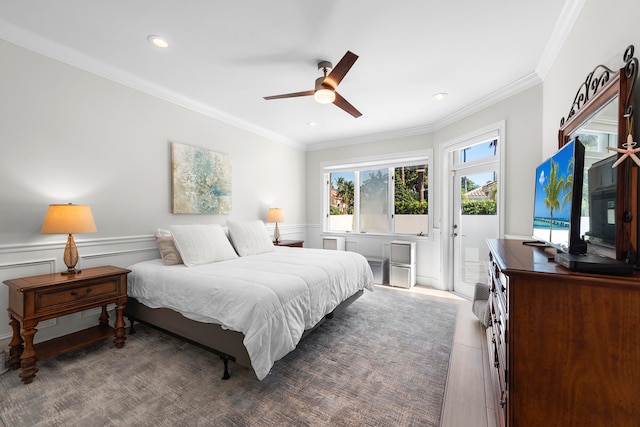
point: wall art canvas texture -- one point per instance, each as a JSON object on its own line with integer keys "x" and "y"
{"x": 201, "y": 181}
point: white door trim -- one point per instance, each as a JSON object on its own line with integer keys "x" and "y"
{"x": 446, "y": 155}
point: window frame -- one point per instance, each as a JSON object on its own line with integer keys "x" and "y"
{"x": 390, "y": 162}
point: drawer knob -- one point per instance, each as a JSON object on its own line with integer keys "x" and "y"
{"x": 75, "y": 294}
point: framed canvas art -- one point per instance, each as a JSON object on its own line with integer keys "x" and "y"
{"x": 201, "y": 181}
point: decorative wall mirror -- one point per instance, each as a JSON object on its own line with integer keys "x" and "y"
{"x": 601, "y": 117}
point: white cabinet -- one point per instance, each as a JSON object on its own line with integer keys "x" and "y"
{"x": 402, "y": 268}
{"x": 333, "y": 243}
{"x": 379, "y": 268}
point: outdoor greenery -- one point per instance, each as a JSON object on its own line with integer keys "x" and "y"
{"x": 345, "y": 192}
{"x": 479, "y": 207}
{"x": 412, "y": 207}
{"x": 411, "y": 190}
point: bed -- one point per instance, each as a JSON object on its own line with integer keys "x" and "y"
{"x": 252, "y": 308}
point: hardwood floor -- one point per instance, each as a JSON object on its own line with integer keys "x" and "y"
{"x": 466, "y": 403}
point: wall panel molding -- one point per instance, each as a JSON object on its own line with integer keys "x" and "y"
{"x": 32, "y": 259}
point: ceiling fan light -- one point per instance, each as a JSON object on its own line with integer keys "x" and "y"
{"x": 324, "y": 96}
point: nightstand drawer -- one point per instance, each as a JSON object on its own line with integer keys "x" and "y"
{"x": 76, "y": 294}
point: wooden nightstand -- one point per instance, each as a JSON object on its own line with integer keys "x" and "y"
{"x": 37, "y": 298}
{"x": 290, "y": 243}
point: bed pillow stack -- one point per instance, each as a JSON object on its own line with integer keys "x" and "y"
{"x": 202, "y": 243}
{"x": 167, "y": 247}
{"x": 250, "y": 238}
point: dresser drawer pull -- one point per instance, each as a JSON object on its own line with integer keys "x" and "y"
{"x": 75, "y": 294}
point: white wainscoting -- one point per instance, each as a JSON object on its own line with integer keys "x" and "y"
{"x": 34, "y": 259}
{"x": 44, "y": 258}
{"x": 428, "y": 250}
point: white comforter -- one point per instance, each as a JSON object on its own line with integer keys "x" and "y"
{"x": 271, "y": 298}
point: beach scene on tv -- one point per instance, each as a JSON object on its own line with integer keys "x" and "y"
{"x": 552, "y": 205}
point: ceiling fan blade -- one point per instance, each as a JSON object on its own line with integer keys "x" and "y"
{"x": 339, "y": 71}
{"x": 291, "y": 95}
{"x": 344, "y": 104}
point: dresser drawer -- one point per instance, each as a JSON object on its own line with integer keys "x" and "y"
{"x": 73, "y": 295}
{"x": 496, "y": 371}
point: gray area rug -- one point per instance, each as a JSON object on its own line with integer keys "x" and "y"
{"x": 381, "y": 362}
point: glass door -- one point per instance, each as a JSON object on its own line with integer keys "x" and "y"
{"x": 475, "y": 219}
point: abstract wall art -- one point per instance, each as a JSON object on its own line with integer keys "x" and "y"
{"x": 201, "y": 180}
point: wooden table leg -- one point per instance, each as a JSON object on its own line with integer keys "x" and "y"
{"x": 28, "y": 357}
{"x": 119, "y": 326}
{"x": 104, "y": 317}
{"x": 16, "y": 346}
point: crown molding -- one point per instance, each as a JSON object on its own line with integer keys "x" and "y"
{"x": 484, "y": 102}
{"x": 565, "y": 23}
{"x": 51, "y": 49}
{"x": 66, "y": 55}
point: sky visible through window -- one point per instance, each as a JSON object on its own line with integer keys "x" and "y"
{"x": 348, "y": 176}
{"x": 477, "y": 152}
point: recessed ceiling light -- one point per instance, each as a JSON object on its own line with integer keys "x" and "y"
{"x": 440, "y": 96}
{"x": 158, "y": 41}
{"x": 312, "y": 124}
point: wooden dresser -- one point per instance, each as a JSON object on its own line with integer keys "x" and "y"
{"x": 564, "y": 347}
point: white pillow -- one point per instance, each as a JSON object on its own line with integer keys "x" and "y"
{"x": 202, "y": 243}
{"x": 250, "y": 238}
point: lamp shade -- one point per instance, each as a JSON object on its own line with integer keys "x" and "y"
{"x": 68, "y": 219}
{"x": 275, "y": 215}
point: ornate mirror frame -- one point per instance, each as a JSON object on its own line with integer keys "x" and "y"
{"x": 601, "y": 86}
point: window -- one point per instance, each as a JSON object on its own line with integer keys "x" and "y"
{"x": 478, "y": 190}
{"x": 374, "y": 201}
{"x": 378, "y": 197}
{"x": 483, "y": 150}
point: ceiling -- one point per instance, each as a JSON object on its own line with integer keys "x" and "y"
{"x": 224, "y": 57}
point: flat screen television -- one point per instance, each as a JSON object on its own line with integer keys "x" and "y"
{"x": 558, "y": 199}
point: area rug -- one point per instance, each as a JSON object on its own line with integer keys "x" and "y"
{"x": 381, "y": 362}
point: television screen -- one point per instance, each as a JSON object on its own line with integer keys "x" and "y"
{"x": 558, "y": 197}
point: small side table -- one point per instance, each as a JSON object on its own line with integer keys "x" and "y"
{"x": 290, "y": 243}
{"x": 37, "y": 298}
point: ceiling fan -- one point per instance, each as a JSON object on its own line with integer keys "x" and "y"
{"x": 325, "y": 87}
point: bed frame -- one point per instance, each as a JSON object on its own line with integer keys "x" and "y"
{"x": 210, "y": 336}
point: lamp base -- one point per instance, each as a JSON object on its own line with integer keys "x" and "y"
{"x": 70, "y": 256}
{"x": 276, "y": 235}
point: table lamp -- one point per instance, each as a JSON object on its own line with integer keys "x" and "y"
{"x": 69, "y": 219}
{"x": 275, "y": 215}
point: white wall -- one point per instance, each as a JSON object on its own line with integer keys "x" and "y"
{"x": 522, "y": 145}
{"x": 67, "y": 135}
{"x": 522, "y": 114}
{"x": 600, "y": 35}
{"x": 427, "y": 249}
{"x": 70, "y": 136}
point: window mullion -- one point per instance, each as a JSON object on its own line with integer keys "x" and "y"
{"x": 391, "y": 194}
{"x": 356, "y": 202}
